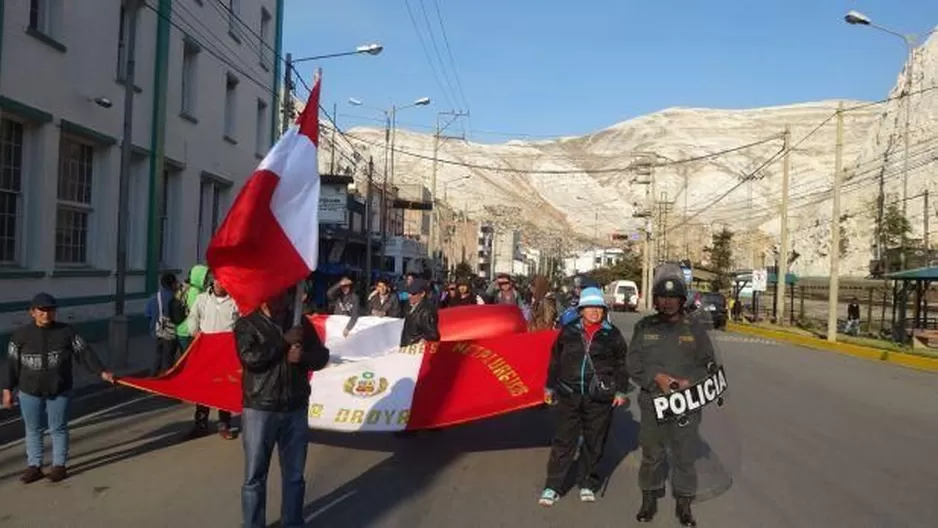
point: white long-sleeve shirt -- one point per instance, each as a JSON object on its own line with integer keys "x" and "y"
{"x": 212, "y": 314}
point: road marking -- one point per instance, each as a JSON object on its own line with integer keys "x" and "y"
{"x": 85, "y": 418}
{"x": 320, "y": 511}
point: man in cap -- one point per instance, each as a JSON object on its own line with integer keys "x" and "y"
{"x": 39, "y": 368}
{"x": 668, "y": 352}
{"x": 421, "y": 322}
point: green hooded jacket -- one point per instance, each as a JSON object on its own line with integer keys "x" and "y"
{"x": 197, "y": 278}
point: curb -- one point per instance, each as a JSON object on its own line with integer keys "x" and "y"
{"x": 870, "y": 353}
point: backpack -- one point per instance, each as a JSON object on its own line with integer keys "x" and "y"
{"x": 165, "y": 327}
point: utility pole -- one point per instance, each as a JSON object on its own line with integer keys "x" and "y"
{"x": 781, "y": 273}
{"x": 834, "y": 282}
{"x": 287, "y": 94}
{"x": 335, "y": 131}
{"x": 383, "y": 221}
{"x": 925, "y": 214}
{"x": 118, "y": 327}
{"x": 905, "y": 139}
{"x": 644, "y": 170}
{"x": 686, "y": 190}
{"x": 432, "y": 245}
{"x": 368, "y": 198}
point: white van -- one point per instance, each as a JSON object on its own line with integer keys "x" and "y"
{"x": 622, "y": 295}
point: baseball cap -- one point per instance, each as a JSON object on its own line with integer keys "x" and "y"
{"x": 43, "y": 301}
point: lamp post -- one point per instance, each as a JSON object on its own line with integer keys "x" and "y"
{"x": 390, "y": 116}
{"x": 856, "y": 18}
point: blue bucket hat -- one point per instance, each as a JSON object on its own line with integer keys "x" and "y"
{"x": 591, "y": 297}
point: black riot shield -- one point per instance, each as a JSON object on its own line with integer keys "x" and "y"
{"x": 687, "y": 437}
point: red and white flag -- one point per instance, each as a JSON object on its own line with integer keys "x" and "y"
{"x": 270, "y": 239}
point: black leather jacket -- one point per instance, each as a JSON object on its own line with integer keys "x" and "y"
{"x": 268, "y": 381}
{"x": 420, "y": 322}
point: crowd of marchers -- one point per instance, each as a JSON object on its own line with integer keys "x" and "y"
{"x": 591, "y": 370}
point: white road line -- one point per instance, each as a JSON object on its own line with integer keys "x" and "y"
{"x": 85, "y": 418}
{"x": 323, "y": 510}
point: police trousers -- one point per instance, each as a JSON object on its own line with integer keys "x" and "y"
{"x": 577, "y": 414}
{"x": 657, "y": 440}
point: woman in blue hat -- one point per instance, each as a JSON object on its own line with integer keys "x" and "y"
{"x": 586, "y": 379}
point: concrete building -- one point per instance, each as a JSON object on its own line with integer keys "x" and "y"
{"x": 589, "y": 260}
{"x": 204, "y": 108}
{"x": 460, "y": 238}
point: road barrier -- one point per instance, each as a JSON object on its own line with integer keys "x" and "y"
{"x": 865, "y": 352}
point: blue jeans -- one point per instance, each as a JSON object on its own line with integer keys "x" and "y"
{"x": 260, "y": 430}
{"x": 55, "y": 412}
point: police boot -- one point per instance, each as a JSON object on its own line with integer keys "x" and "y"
{"x": 649, "y": 507}
{"x": 684, "y": 515}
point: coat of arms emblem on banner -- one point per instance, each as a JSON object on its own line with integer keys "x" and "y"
{"x": 365, "y": 386}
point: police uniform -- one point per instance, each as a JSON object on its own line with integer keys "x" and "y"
{"x": 678, "y": 347}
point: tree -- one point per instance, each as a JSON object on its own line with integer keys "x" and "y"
{"x": 721, "y": 258}
{"x": 896, "y": 227}
{"x": 844, "y": 241}
{"x": 629, "y": 268}
{"x": 463, "y": 270}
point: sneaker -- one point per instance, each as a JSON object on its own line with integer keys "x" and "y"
{"x": 587, "y": 495}
{"x": 548, "y": 497}
{"x": 32, "y": 474}
{"x": 58, "y": 474}
{"x": 225, "y": 432}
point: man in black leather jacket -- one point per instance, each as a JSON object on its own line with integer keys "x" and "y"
{"x": 275, "y": 390}
{"x": 420, "y": 316}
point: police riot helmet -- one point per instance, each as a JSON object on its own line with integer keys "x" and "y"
{"x": 670, "y": 287}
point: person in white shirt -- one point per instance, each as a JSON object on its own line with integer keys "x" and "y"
{"x": 214, "y": 311}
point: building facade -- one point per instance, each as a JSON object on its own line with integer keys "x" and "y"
{"x": 592, "y": 259}
{"x": 204, "y": 106}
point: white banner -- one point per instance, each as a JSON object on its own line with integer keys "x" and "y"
{"x": 369, "y": 382}
{"x": 333, "y": 204}
{"x": 760, "y": 280}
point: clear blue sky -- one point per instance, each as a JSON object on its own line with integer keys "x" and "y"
{"x": 552, "y": 67}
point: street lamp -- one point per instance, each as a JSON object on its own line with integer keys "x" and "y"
{"x": 855, "y": 18}
{"x": 390, "y": 133}
{"x": 364, "y": 49}
{"x": 447, "y": 183}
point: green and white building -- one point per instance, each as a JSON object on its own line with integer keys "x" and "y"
{"x": 205, "y": 85}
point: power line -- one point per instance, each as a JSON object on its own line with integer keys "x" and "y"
{"x": 426, "y": 53}
{"x": 449, "y": 52}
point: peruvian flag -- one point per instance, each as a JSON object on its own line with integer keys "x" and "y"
{"x": 270, "y": 239}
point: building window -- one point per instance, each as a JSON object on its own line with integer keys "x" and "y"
{"x": 76, "y": 167}
{"x": 264, "y": 39}
{"x": 260, "y": 132}
{"x": 234, "y": 16}
{"x": 11, "y": 186}
{"x": 45, "y": 17}
{"x": 212, "y": 202}
{"x": 231, "y": 101}
{"x": 190, "y": 55}
{"x": 122, "y": 44}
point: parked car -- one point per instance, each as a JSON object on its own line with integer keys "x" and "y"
{"x": 710, "y": 305}
{"x": 622, "y": 295}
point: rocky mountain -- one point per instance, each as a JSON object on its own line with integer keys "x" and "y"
{"x": 583, "y": 186}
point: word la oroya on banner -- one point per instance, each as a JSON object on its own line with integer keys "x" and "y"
{"x": 425, "y": 385}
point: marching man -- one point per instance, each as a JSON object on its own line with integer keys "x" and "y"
{"x": 212, "y": 312}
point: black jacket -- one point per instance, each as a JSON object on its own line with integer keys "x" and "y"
{"x": 569, "y": 370}
{"x": 420, "y": 322}
{"x": 268, "y": 381}
{"x": 391, "y": 307}
{"x": 39, "y": 359}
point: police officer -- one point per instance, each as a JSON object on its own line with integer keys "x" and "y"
{"x": 668, "y": 352}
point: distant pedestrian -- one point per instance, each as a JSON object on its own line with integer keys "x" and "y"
{"x": 164, "y": 312}
{"x": 345, "y": 301}
{"x": 196, "y": 284}
{"x": 214, "y": 311}
{"x": 39, "y": 372}
{"x": 421, "y": 319}
{"x": 276, "y": 363}
{"x": 382, "y": 302}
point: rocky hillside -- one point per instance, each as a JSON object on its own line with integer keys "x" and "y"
{"x": 583, "y": 183}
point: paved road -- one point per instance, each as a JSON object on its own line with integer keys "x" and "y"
{"x": 827, "y": 440}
